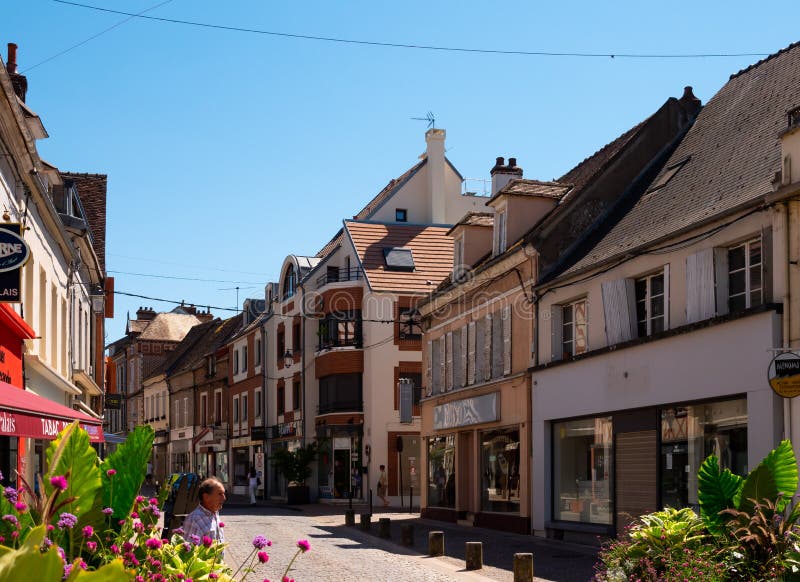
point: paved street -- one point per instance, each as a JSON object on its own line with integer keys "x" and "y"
{"x": 340, "y": 552}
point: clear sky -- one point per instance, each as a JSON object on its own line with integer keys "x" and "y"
{"x": 226, "y": 151}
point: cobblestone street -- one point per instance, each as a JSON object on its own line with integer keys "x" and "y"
{"x": 339, "y": 552}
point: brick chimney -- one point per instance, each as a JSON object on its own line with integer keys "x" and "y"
{"x": 204, "y": 316}
{"x": 145, "y": 314}
{"x": 19, "y": 82}
{"x": 434, "y": 139}
{"x": 502, "y": 174}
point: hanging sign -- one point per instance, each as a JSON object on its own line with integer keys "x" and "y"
{"x": 784, "y": 374}
{"x": 14, "y": 253}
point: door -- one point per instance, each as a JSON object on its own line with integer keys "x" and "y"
{"x": 636, "y": 441}
{"x": 341, "y": 473}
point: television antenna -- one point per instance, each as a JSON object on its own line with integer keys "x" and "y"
{"x": 429, "y": 117}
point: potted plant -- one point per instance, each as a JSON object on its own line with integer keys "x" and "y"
{"x": 295, "y": 466}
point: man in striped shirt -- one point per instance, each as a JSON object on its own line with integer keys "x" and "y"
{"x": 204, "y": 520}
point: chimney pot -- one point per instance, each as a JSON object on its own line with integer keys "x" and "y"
{"x": 512, "y": 162}
{"x": 499, "y": 161}
{"x": 12, "y": 58}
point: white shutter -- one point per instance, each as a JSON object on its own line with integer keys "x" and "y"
{"x": 619, "y": 307}
{"x": 463, "y": 362}
{"x": 428, "y": 367}
{"x": 487, "y": 351}
{"x": 458, "y": 381}
{"x": 666, "y": 299}
{"x": 442, "y": 363}
{"x": 507, "y": 340}
{"x": 700, "y": 292}
{"x": 556, "y": 332}
{"x": 471, "y": 353}
{"x": 449, "y": 366}
{"x": 480, "y": 349}
{"x": 721, "y": 279}
{"x": 497, "y": 345}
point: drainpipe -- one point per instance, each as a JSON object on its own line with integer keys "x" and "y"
{"x": 787, "y": 330}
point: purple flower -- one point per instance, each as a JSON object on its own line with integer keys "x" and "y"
{"x": 20, "y": 506}
{"x": 108, "y": 510}
{"x": 260, "y": 542}
{"x": 194, "y": 539}
{"x": 46, "y": 543}
{"x": 179, "y": 530}
{"x": 11, "y": 518}
{"x": 67, "y": 570}
{"x": 114, "y": 549}
{"x": 59, "y": 482}
{"x": 88, "y": 531}
{"x": 153, "y": 501}
{"x": 11, "y": 494}
{"x": 153, "y": 543}
{"x": 303, "y": 545}
{"x": 67, "y": 520}
{"x": 111, "y": 472}
{"x": 263, "y": 557}
{"x": 187, "y": 547}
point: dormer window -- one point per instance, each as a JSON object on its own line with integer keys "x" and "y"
{"x": 500, "y": 232}
{"x": 398, "y": 259}
{"x": 794, "y": 117}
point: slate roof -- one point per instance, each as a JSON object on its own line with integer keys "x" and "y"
{"x": 92, "y": 190}
{"x": 169, "y": 327}
{"x": 473, "y": 218}
{"x": 431, "y": 247}
{"x": 733, "y": 152}
{"x": 533, "y": 188}
{"x": 213, "y": 335}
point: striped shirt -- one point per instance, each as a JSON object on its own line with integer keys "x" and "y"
{"x": 202, "y": 522}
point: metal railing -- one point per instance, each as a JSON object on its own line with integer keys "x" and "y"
{"x": 340, "y": 406}
{"x": 476, "y": 187}
{"x": 339, "y": 275}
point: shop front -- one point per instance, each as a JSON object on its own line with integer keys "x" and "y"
{"x": 180, "y": 449}
{"x": 211, "y": 453}
{"x": 340, "y": 469}
{"x": 241, "y": 461}
{"x": 476, "y": 463}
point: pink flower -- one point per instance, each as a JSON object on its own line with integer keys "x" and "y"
{"x": 20, "y": 506}
{"x": 221, "y": 524}
{"x": 134, "y": 515}
{"x": 139, "y": 499}
{"x": 88, "y": 531}
{"x": 108, "y": 510}
{"x": 207, "y": 541}
{"x": 111, "y": 472}
{"x": 303, "y": 545}
{"x": 263, "y": 557}
{"x": 59, "y": 482}
{"x": 91, "y": 546}
{"x": 114, "y": 549}
{"x": 153, "y": 543}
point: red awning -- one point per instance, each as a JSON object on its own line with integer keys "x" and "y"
{"x": 24, "y": 414}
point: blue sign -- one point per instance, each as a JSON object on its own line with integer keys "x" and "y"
{"x": 14, "y": 251}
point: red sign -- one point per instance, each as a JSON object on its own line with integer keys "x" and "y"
{"x": 20, "y": 424}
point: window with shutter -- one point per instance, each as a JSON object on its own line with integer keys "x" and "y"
{"x": 442, "y": 364}
{"x": 458, "y": 377}
{"x": 700, "y": 291}
{"x": 487, "y": 348}
{"x": 573, "y": 329}
{"x": 471, "y": 353}
{"x": 436, "y": 385}
{"x": 464, "y": 359}
{"x": 428, "y": 365}
{"x": 651, "y": 303}
{"x": 497, "y": 345}
{"x": 619, "y": 310}
{"x": 449, "y": 365}
{"x": 480, "y": 349}
{"x": 507, "y": 340}
{"x": 745, "y": 275}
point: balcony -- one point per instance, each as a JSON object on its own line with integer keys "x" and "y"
{"x": 340, "y": 406}
{"x": 337, "y": 275}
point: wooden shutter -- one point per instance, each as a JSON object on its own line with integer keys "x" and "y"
{"x": 480, "y": 351}
{"x": 442, "y": 363}
{"x": 435, "y": 361}
{"x": 507, "y": 339}
{"x": 448, "y": 344}
{"x": 700, "y": 292}
{"x": 619, "y": 307}
{"x": 428, "y": 379}
{"x": 721, "y": 279}
{"x": 463, "y": 362}
{"x": 556, "y": 332}
{"x": 497, "y": 345}
{"x": 487, "y": 352}
{"x": 471, "y": 353}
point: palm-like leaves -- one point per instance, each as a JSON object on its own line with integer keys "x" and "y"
{"x": 716, "y": 492}
{"x": 130, "y": 463}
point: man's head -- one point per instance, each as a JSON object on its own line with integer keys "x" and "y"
{"x": 212, "y": 494}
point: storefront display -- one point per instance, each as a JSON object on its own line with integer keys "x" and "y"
{"x": 500, "y": 470}
{"x": 442, "y": 471}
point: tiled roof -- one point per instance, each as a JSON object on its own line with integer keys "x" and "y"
{"x": 473, "y": 218}
{"x": 211, "y": 336}
{"x": 520, "y": 187}
{"x": 137, "y": 325}
{"x": 92, "y": 192}
{"x": 431, "y": 247}
{"x": 332, "y": 244}
{"x": 388, "y": 190}
{"x": 733, "y": 153}
{"x": 169, "y": 327}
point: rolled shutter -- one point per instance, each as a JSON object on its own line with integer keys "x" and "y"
{"x": 487, "y": 352}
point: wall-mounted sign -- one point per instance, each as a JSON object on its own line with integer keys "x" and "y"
{"x": 784, "y": 374}
{"x": 14, "y": 253}
{"x": 114, "y": 401}
{"x": 466, "y": 412}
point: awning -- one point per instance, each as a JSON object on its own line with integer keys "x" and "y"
{"x": 24, "y": 414}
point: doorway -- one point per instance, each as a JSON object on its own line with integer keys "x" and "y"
{"x": 341, "y": 473}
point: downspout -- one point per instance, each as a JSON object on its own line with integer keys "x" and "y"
{"x": 786, "y": 320}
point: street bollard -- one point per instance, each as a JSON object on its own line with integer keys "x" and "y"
{"x": 474, "y": 555}
{"x": 365, "y": 521}
{"x": 349, "y": 517}
{"x": 407, "y": 534}
{"x": 523, "y": 567}
{"x": 436, "y": 543}
{"x": 384, "y": 524}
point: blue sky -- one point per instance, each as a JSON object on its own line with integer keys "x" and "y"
{"x": 226, "y": 150}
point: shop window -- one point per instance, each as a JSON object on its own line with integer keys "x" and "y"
{"x": 500, "y": 471}
{"x": 240, "y": 465}
{"x": 442, "y": 471}
{"x": 583, "y": 471}
{"x": 688, "y": 435}
{"x": 222, "y": 467}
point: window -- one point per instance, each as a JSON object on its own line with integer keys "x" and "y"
{"x": 340, "y": 329}
{"x": 259, "y": 405}
{"x": 218, "y": 407}
{"x": 244, "y": 408}
{"x": 185, "y": 411}
{"x": 244, "y": 358}
{"x": 280, "y": 404}
{"x": 398, "y": 259}
{"x": 442, "y": 471}
{"x": 296, "y": 394}
{"x": 296, "y": 337}
{"x": 500, "y": 470}
{"x": 500, "y": 232}
{"x": 340, "y": 393}
{"x": 667, "y": 175}
{"x": 235, "y": 361}
{"x": 744, "y": 275}
{"x": 280, "y": 342}
{"x": 410, "y": 323}
{"x": 401, "y": 215}
{"x": 257, "y": 355}
{"x": 203, "y": 409}
{"x": 650, "y": 303}
{"x": 459, "y": 268}
{"x": 235, "y": 410}
{"x": 573, "y": 326}
{"x": 289, "y": 282}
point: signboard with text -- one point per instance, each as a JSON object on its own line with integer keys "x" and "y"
{"x": 784, "y": 374}
{"x": 14, "y": 253}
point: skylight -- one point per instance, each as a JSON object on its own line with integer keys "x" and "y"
{"x": 668, "y": 174}
{"x": 398, "y": 259}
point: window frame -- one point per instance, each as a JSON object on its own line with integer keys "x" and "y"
{"x": 648, "y": 300}
{"x": 747, "y": 269}
{"x": 401, "y": 214}
{"x": 571, "y": 352}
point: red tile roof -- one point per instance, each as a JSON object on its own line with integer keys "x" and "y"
{"x": 431, "y": 247}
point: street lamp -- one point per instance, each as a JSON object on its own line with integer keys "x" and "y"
{"x": 98, "y": 299}
{"x": 288, "y": 359}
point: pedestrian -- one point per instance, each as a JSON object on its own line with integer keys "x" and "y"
{"x": 253, "y": 485}
{"x": 204, "y": 520}
{"x": 383, "y": 482}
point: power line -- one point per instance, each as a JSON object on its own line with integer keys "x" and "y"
{"x": 184, "y": 264}
{"x": 83, "y": 42}
{"x": 416, "y": 46}
{"x": 183, "y": 278}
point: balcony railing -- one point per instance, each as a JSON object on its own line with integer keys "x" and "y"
{"x": 339, "y": 275}
{"x": 340, "y": 406}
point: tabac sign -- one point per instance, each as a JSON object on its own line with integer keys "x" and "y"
{"x": 14, "y": 253}
{"x": 784, "y": 374}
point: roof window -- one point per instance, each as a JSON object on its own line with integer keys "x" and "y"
{"x": 668, "y": 174}
{"x": 398, "y": 259}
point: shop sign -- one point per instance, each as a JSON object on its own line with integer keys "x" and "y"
{"x": 113, "y": 401}
{"x": 784, "y": 374}
{"x": 19, "y": 424}
{"x": 14, "y": 253}
{"x": 466, "y": 412}
{"x": 240, "y": 441}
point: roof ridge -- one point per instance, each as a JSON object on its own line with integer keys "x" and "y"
{"x": 785, "y": 49}
{"x": 84, "y": 174}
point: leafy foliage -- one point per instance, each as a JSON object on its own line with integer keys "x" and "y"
{"x": 130, "y": 463}
{"x": 295, "y": 465}
{"x": 716, "y": 492}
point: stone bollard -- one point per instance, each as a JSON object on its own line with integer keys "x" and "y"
{"x": 365, "y": 521}
{"x": 474, "y": 555}
{"x": 384, "y": 527}
{"x": 436, "y": 543}
{"x": 407, "y": 534}
{"x": 523, "y": 567}
{"x": 349, "y": 517}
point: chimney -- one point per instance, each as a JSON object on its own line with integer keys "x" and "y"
{"x": 502, "y": 174}
{"x": 204, "y": 316}
{"x": 145, "y": 314}
{"x": 434, "y": 138}
{"x": 690, "y": 102}
{"x": 19, "y": 82}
